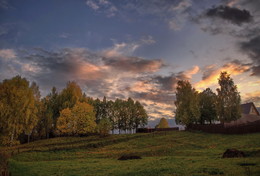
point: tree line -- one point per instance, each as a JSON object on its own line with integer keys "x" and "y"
{"x": 23, "y": 112}
{"x": 207, "y": 106}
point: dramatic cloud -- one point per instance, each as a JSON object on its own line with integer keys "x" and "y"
{"x": 102, "y": 6}
{"x": 134, "y": 64}
{"x": 158, "y": 97}
{"x": 173, "y": 13}
{"x": 99, "y": 75}
{"x": 254, "y": 5}
{"x": 159, "y": 110}
{"x": 142, "y": 86}
{"x": 132, "y": 48}
{"x": 189, "y": 73}
{"x": 231, "y": 14}
{"x": 211, "y": 73}
{"x": 252, "y": 48}
{"x": 253, "y": 97}
{"x": 183, "y": 5}
{"x": 56, "y": 68}
{"x": 92, "y": 4}
{"x": 116, "y": 57}
{"x": 168, "y": 83}
{"x": 7, "y": 53}
{"x": 232, "y": 3}
{"x": 181, "y": 13}
{"x": 123, "y": 48}
{"x": 237, "y": 18}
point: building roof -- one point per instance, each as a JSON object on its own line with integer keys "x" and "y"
{"x": 246, "y": 108}
{"x": 246, "y": 118}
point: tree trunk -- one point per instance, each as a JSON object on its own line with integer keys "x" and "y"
{"x": 28, "y": 138}
{"x": 12, "y": 138}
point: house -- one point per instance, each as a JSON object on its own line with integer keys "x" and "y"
{"x": 249, "y": 108}
{"x": 249, "y": 114}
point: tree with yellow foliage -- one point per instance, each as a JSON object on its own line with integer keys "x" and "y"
{"x": 163, "y": 123}
{"x": 17, "y": 109}
{"x": 83, "y": 114}
{"x": 65, "y": 122}
{"x": 77, "y": 121}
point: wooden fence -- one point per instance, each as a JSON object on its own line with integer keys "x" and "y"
{"x": 150, "y": 130}
{"x": 252, "y": 127}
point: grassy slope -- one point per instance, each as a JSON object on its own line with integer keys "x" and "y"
{"x": 176, "y": 153}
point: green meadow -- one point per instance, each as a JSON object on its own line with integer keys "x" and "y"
{"x": 163, "y": 153}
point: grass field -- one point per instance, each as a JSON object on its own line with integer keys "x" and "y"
{"x": 171, "y": 153}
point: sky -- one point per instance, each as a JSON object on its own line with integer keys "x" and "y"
{"x": 132, "y": 48}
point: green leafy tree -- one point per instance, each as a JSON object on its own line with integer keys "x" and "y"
{"x": 228, "y": 99}
{"x": 104, "y": 108}
{"x": 125, "y": 115}
{"x": 17, "y": 108}
{"x": 98, "y": 109}
{"x": 187, "y": 103}
{"x": 112, "y": 115}
{"x": 208, "y": 110}
{"x": 140, "y": 117}
{"x": 117, "y": 117}
{"x": 162, "y": 124}
{"x": 67, "y": 98}
{"x": 53, "y": 106}
{"x": 123, "y": 111}
{"x": 131, "y": 109}
{"x": 104, "y": 127}
{"x": 45, "y": 125}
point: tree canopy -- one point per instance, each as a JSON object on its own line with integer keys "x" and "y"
{"x": 207, "y": 103}
{"x": 104, "y": 127}
{"x": 228, "y": 99}
{"x": 17, "y": 108}
{"x": 162, "y": 124}
{"x": 78, "y": 120}
{"x": 23, "y": 112}
{"x": 193, "y": 107}
{"x": 187, "y": 103}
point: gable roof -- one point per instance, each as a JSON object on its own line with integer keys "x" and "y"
{"x": 246, "y": 108}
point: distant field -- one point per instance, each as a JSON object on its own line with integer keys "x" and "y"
{"x": 171, "y": 153}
